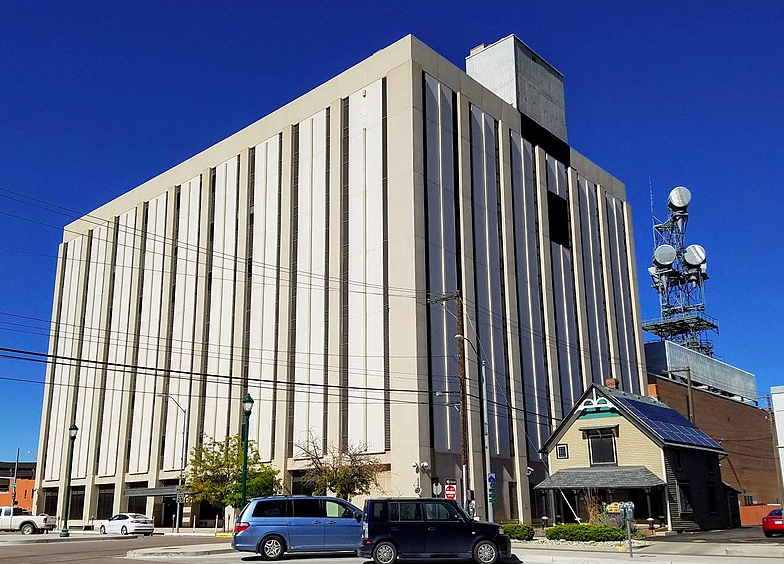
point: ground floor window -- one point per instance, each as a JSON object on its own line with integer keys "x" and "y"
{"x": 105, "y": 507}
{"x": 684, "y": 497}
{"x": 50, "y": 501}
{"x": 137, "y": 504}
{"x": 76, "y": 508}
{"x": 711, "y": 492}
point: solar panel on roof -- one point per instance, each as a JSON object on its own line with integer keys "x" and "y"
{"x": 670, "y": 425}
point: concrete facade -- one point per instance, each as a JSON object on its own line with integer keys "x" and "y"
{"x": 296, "y": 260}
{"x": 777, "y": 407}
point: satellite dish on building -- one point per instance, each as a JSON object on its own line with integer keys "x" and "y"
{"x": 664, "y": 255}
{"x": 694, "y": 255}
{"x": 679, "y": 198}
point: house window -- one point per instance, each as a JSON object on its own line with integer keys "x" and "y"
{"x": 711, "y": 469}
{"x": 562, "y": 451}
{"x": 601, "y": 445}
{"x": 678, "y": 461}
{"x": 684, "y": 497}
{"x": 711, "y": 491}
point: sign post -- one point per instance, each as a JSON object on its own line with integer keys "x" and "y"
{"x": 450, "y": 489}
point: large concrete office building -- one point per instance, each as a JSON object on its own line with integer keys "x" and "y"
{"x": 298, "y": 260}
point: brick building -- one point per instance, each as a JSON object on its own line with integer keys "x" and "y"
{"x": 743, "y": 430}
{"x": 25, "y": 484}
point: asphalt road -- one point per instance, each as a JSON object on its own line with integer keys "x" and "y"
{"x": 742, "y": 535}
{"x": 98, "y": 551}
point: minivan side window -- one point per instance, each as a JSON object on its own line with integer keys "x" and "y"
{"x": 335, "y": 509}
{"x": 307, "y": 507}
{"x": 410, "y": 511}
{"x": 272, "y": 508}
{"x": 436, "y": 511}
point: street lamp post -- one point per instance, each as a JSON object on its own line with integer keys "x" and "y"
{"x": 72, "y": 431}
{"x": 485, "y": 427}
{"x": 247, "y": 407}
{"x": 182, "y": 458}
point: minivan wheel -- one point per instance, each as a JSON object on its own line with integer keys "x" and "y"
{"x": 272, "y": 548}
{"x": 384, "y": 553}
{"x": 485, "y": 552}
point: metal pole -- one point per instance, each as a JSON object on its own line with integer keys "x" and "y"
{"x": 16, "y": 469}
{"x": 486, "y": 424}
{"x": 64, "y": 532}
{"x": 629, "y": 531}
{"x": 244, "y": 458}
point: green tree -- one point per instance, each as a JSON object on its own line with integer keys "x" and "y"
{"x": 215, "y": 473}
{"x": 347, "y": 472}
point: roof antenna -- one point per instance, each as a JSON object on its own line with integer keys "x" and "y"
{"x": 653, "y": 217}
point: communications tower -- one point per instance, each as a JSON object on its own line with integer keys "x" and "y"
{"x": 679, "y": 273}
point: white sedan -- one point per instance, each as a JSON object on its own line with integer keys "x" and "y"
{"x": 128, "y": 524}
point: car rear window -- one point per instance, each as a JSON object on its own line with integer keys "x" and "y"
{"x": 775, "y": 513}
{"x": 308, "y": 507}
{"x": 272, "y": 508}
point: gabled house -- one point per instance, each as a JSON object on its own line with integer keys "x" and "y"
{"x": 616, "y": 446}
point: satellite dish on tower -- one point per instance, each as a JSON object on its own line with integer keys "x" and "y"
{"x": 694, "y": 255}
{"x": 679, "y": 198}
{"x": 664, "y": 255}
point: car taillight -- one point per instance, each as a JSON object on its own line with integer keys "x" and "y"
{"x": 135, "y": 521}
{"x": 364, "y": 529}
{"x": 239, "y": 527}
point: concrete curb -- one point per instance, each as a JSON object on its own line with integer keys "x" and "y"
{"x": 181, "y": 551}
{"x": 45, "y": 539}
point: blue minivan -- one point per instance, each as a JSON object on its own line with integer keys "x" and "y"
{"x": 272, "y": 526}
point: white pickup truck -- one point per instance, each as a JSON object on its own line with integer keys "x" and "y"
{"x": 18, "y": 519}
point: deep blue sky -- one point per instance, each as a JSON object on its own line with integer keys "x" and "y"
{"x": 97, "y": 97}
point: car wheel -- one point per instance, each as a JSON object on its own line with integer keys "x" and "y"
{"x": 384, "y": 553}
{"x": 485, "y": 552}
{"x": 102, "y": 530}
{"x": 27, "y": 529}
{"x": 124, "y": 530}
{"x": 768, "y": 534}
{"x": 272, "y": 548}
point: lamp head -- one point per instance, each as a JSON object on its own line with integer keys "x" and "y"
{"x": 247, "y": 404}
{"x": 425, "y": 465}
{"x": 73, "y": 430}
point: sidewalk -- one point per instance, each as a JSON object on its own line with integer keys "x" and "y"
{"x": 183, "y": 551}
{"x": 54, "y": 536}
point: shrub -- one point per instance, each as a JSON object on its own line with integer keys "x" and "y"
{"x": 575, "y": 532}
{"x": 519, "y": 531}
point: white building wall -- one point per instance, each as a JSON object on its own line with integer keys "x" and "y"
{"x": 183, "y": 324}
{"x": 309, "y": 356}
{"x": 442, "y": 262}
{"x": 366, "y": 415}
{"x": 120, "y": 340}
{"x": 217, "y": 394}
{"x": 264, "y": 293}
{"x": 149, "y": 338}
{"x": 777, "y": 399}
{"x": 93, "y": 341}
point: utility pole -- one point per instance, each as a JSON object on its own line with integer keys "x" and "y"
{"x": 16, "y": 469}
{"x": 689, "y": 392}
{"x": 461, "y": 389}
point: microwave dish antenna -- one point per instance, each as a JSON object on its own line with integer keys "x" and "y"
{"x": 678, "y": 275}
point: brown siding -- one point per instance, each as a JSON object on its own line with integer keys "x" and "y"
{"x": 744, "y": 432}
{"x": 694, "y": 470}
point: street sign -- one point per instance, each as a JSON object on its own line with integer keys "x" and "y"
{"x": 180, "y": 497}
{"x": 491, "y": 478}
{"x": 437, "y": 488}
{"x": 13, "y": 484}
{"x": 491, "y": 492}
{"x": 450, "y": 491}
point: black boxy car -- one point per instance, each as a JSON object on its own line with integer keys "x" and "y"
{"x": 427, "y": 528}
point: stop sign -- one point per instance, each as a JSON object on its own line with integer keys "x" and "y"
{"x": 450, "y": 491}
